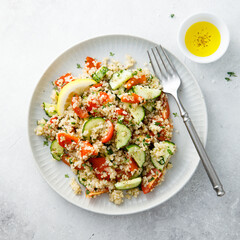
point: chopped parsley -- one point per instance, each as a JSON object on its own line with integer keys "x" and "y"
{"x": 157, "y": 123}
{"x": 111, "y": 54}
{"x": 227, "y": 79}
{"x": 169, "y": 151}
{"x": 172, "y": 15}
{"x": 66, "y": 176}
{"x": 134, "y": 73}
{"x": 109, "y": 151}
{"x": 73, "y": 123}
{"x": 87, "y": 191}
{"x": 78, "y": 65}
{"x": 83, "y": 179}
{"x": 175, "y": 114}
{"x": 151, "y": 179}
{"x": 45, "y": 143}
{"x": 148, "y": 136}
{"x": 139, "y": 69}
{"x": 231, "y": 74}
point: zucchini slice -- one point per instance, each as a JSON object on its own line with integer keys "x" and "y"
{"x": 90, "y": 124}
{"x": 128, "y": 184}
{"x": 123, "y": 135}
{"x": 56, "y": 150}
{"x": 137, "y": 153}
{"x": 100, "y": 73}
{"x": 146, "y": 92}
{"x": 163, "y": 160}
{"x": 119, "y": 78}
{"x": 50, "y": 109}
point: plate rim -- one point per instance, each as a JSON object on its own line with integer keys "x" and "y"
{"x": 29, "y": 130}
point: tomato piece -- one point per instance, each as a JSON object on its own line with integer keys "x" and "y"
{"x": 91, "y": 194}
{"x": 63, "y": 80}
{"x": 82, "y": 113}
{"x": 99, "y": 166}
{"x": 96, "y": 85}
{"x": 102, "y": 98}
{"x": 133, "y": 165}
{"x": 135, "y": 81}
{"x": 132, "y": 98}
{"x": 91, "y": 62}
{"x": 166, "y": 111}
{"x": 122, "y": 112}
{"x": 110, "y": 132}
{"x": 51, "y": 120}
{"x": 150, "y": 185}
{"x": 87, "y": 149}
{"x": 65, "y": 159}
{"x": 66, "y": 139}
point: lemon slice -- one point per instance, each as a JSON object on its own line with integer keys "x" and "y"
{"x": 75, "y": 87}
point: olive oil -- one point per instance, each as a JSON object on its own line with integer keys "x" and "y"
{"x": 202, "y": 39}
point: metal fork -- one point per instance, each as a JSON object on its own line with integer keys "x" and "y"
{"x": 171, "y": 82}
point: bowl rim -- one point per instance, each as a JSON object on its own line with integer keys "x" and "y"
{"x": 222, "y": 27}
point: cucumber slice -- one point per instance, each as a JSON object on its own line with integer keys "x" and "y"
{"x": 119, "y": 78}
{"x": 163, "y": 160}
{"x": 128, "y": 184}
{"x": 138, "y": 113}
{"x": 137, "y": 153}
{"x": 149, "y": 106}
{"x": 100, "y": 73}
{"x": 123, "y": 135}
{"x": 56, "y": 150}
{"x": 50, "y": 109}
{"x": 90, "y": 124}
{"x": 146, "y": 92}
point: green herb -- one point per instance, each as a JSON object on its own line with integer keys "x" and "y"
{"x": 73, "y": 123}
{"x": 161, "y": 126}
{"x": 87, "y": 191}
{"x": 139, "y": 69}
{"x": 91, "y": 168}
{"x": 57, "y": 93}
{"x": 70, "y": 160}
{"x": 134, "y": 73}
{"x": 83, "y": 179}
{"x": 111, "y": 54}
{"x": 227, "y": 79}
{"x": 148, "y": 136}
{"x": 151, "y": 77}
{"x": 109, "y": 151}
{"x": 172, "y": 15}
{"x": 158, "y": 134}
{"x": 78, "y": 65}
{"x": 157, "y": 123}
{"x": 66, "y": 176}
{"x": 162, "y": 161}
{"x": 138, "y": 139}
{"x": 45, "y": 143}
{"x": 151, "y": 179}
{"x": 95, "y": 110}
{"x": 169, "y": 151}
{"x": 175, "y": 114}
{"x": 103, "y": 106}
{"x": 231, "y": 74}
{"x": 84, "y": 164}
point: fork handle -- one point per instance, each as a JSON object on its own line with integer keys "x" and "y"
{"x": 217, "y": 186}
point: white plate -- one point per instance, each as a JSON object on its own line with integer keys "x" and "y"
{"x": 184, "y": 162}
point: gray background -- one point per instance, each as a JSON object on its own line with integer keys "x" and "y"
{"x": 32, "y": 35}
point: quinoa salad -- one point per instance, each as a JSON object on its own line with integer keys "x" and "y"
{"x": 111, "y": 125}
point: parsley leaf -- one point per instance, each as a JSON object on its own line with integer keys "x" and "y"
{"x": 175, "y": 114}
{"x": 111, "y": 54}
{"x": 87, "y": 191}
{"x": 227, "y": 79}
{"x": 172, "y": 15}
{"x": 45, "y": 143}
{"x": 157, "y": 123}
{"x": 66, "y": 176}
{"x": 78, "y": 65}
{"x": 231, "y": 74}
